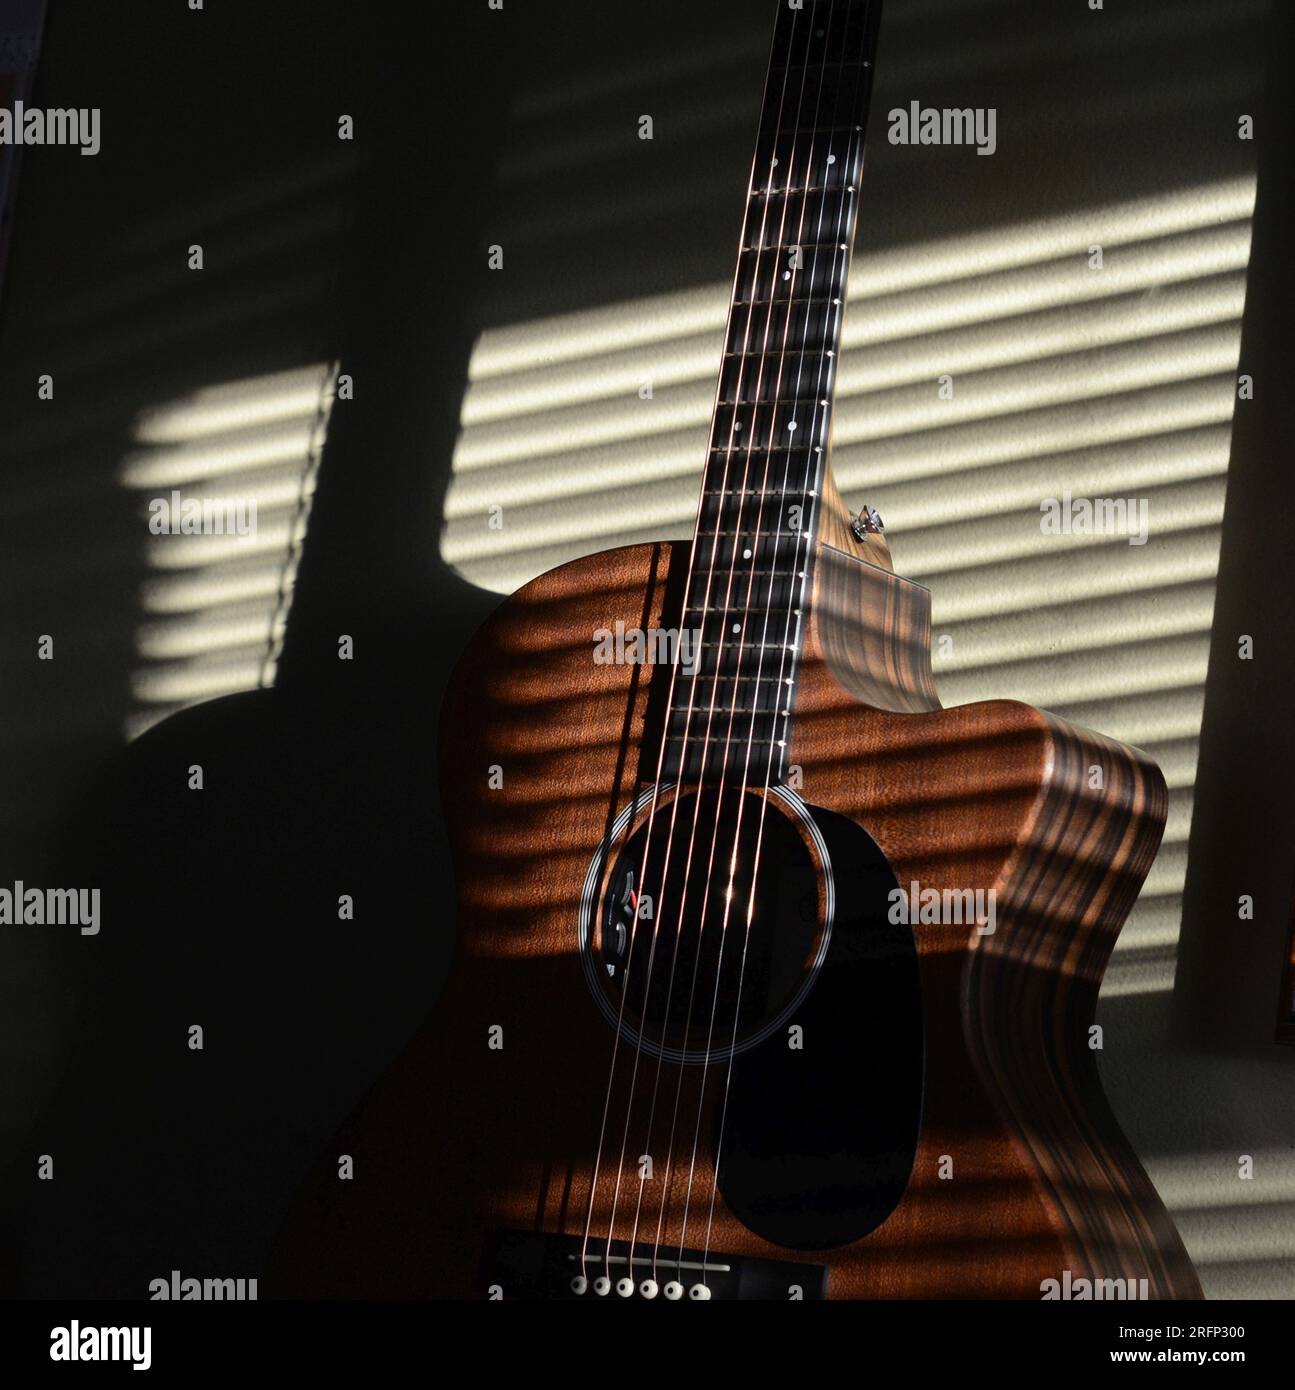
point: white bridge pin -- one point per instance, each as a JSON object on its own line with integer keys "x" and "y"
{"x": 648, "y": 1288}
{"x": 699, "y": 1293}
{"x": 673, "y": 1290}
{"x": 602, "y": 1286}
{"x": 624, "y": 1287}
{"x": 579, "y": 1285}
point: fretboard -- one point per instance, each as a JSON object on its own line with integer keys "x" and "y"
{"x": 752, "y": 555}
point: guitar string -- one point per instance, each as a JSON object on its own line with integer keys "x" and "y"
{"x": 789, "y": 186}
{"x": 655, "y": 800}
{"x": 733, "y": 713}
{"x": 707, "y": 607}
{"x": 826, "y": 385}
{"x": 810, "y": 473}
{"x": 761, "y": 246}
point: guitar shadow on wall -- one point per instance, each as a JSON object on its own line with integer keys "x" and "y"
{"x": 221, "y": 906}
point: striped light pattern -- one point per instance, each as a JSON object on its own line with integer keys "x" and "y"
{"x": 215, "y": 607}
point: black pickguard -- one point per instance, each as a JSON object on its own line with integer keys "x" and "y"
{"x": 818, "y": 1142}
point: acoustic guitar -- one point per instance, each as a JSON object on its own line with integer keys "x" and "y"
{"x": 775, "y": 979}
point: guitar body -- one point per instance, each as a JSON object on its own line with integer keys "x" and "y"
{"x": 936, "y": 1129}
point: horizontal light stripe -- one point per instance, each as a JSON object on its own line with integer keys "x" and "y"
{"x": 216, "y": 605}
{"x": 613, "y": 328}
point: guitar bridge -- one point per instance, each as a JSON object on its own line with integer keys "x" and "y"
{"x": 533, "y": 1267}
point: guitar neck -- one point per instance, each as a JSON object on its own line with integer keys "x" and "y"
{"x": 766, "y": 464}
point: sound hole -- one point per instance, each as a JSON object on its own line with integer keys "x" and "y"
{"x": 712, "y": 944}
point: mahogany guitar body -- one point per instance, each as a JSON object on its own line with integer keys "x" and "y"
{"x": 958, "y": 1145}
